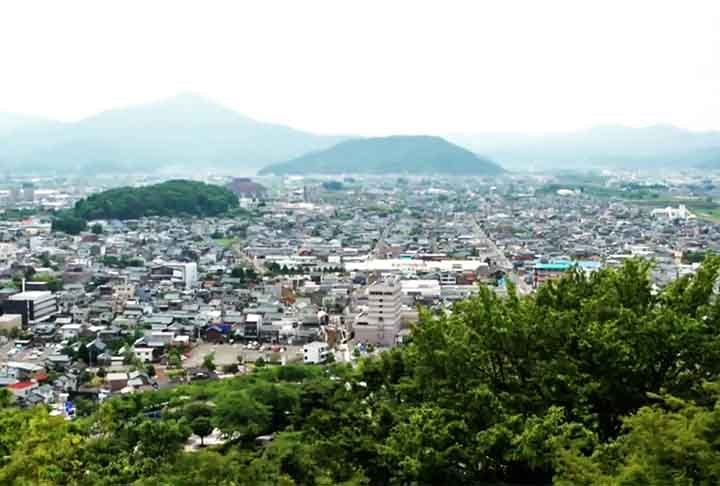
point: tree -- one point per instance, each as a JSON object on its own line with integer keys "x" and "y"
{"x": 209, "y": 362}
{"x": 68, "y": 223}
{"x": 174, "y": 360}
{"x": 97, "y": 229}
{"x": 197, "y": 409}
{"x": 237, "y": 412}
{"x": 201, "y": 427}
{"x": 150, "y": 370}
{"x": 83, "y": 354}
{"x": 231, "y": 368}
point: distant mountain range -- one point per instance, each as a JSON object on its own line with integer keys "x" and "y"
{"x": 603, "y": 146}
{"x": 185, "y": 132}
{"x": 389, "y": 155}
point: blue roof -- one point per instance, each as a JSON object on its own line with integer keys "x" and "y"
{"x": 562, "y": 265}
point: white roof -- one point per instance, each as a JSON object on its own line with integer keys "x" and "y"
{"x": 116, "y": 376}
{"x": 31, "y": 295}
{"x": 23, "y": 366}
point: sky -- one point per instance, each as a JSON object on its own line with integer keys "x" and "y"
{"x": 373, "y": 67}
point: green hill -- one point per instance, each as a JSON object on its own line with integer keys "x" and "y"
{"x": 171, "y": 198}
{"x": 389, "y": 155}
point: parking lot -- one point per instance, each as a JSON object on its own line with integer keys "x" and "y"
{"x": 226, "y": 354}
{"x": 29, "y": 354}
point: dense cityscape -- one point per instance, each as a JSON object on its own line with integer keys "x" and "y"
{"x": 408, "y": 243}
{"x": 291, "y": 274}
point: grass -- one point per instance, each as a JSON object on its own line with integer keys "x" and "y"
{"x": 225, "y": 242}
{"x": 712, "y": 215}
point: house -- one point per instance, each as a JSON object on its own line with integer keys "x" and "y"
{"x": 144, "y": 354}
{"x": 22, "y": 389}
{"x": 116, "y": 381}
{"x": 218, "y": 333}
{"x": 315, "y": 353}
{"x": 70, "y": 331}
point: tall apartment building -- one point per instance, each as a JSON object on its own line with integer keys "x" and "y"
{"x": 380, "y": 324}
{"x": 33, "y": 306}
{"x": 28, "y": 192}
{"x": 184, "y": 273}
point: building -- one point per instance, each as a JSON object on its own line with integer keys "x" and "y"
{"x": 8, "y": 253}
{"x": 671, "y": 213}
{"x": 380, "y": 323}
{"x": 8, "y": 322}
{"x": 33, "y": 306}
{"x": 547, "y": 271}
{"x": 144, "y": 354}
{"x": 315, "y": 353}
{"x": 245, "y": 188}
{"x": 182, "y": 273}
{"x": 28, "y": 192}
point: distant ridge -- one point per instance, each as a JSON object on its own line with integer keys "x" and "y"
{"x": 185, "y": 132}
{"x": 611, "y": 146}
{"x": 399, "y": 154}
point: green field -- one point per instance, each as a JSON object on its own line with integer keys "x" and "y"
{"x": 225, "y": 242}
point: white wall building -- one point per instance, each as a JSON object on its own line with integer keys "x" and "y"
{"x": 187, "y": 272}
{"x": 315, "y": 352}
{"x": 380, "y": 323}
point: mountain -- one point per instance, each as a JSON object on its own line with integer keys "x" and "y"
{"x": 602, "y": 146}
{"x": 185, "y": 132}
{"x": 10, "y": 122}
{"x": 389, "y": 155}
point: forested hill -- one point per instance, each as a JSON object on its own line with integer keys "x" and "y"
{"x": 171, "y": 198}
{"x": 594, "y": 380}
{"x": 389, "y": 155}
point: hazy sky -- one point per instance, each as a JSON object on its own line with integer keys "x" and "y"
{"x": 373, "y": 67}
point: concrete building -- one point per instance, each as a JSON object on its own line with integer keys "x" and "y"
{"x": 8, "y": 322}
{"x": 380, "y": 323}
{"x": 315, "y": 352}
{"x": 28, "y": 192}
{"x": 33, "y": 306}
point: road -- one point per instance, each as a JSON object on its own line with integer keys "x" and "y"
{"x": 502, "y": 260}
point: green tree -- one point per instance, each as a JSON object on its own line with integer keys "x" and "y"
{"x": 97, "y": 229}
{"x": 209, "y": 362}
{"x": 201, "y": 427}
{"x": 237, "y": 412}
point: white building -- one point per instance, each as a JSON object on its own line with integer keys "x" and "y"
{"x": 681, "y": 212}
{"x": 380, "y": 323}
{"x": 315, "y": 352}
{"x": 143, "y": 354}
{"x": 185, "y": 271}
{"x": 70, "y": 331}
{"x": 34, "y": 306}
{"x": 8, "y": 253}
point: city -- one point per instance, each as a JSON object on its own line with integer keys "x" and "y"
{"x": 360, "y": 243}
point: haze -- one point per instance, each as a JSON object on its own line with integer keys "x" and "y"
{"x": 373, "y": 67}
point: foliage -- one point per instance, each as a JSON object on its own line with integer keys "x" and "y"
{"x": 595, "y": 379}
{"x": 209, "y": 362}
{"x": 68, "y": 223}
{"x": 332, "y": 185}
{"x": 171, "y": 198}
{"x": 201, "y": 427}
